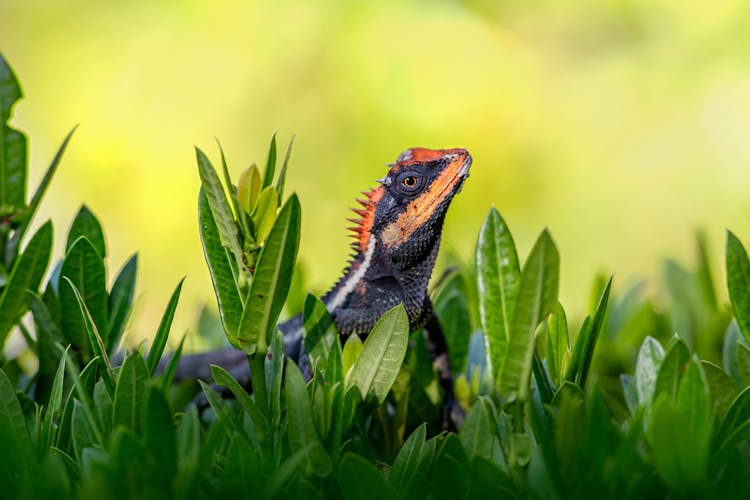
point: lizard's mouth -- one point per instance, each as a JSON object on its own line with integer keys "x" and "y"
{"x": 463, "y": 172}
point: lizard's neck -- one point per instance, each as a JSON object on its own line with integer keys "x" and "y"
{"x": 373, "y": 283}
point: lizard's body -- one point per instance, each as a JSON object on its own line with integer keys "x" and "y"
{"x": 397, "y": 241}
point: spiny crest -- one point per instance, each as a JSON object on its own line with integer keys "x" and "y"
{"x": 363, "y": 223}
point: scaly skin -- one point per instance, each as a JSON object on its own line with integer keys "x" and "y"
{"x": 397, "y": 241}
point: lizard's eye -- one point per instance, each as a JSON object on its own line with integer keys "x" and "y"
{"x": 410, "y": 182}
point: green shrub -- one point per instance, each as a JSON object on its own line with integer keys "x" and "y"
{"x": 545, "y": 417}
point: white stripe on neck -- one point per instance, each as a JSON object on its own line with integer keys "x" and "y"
{"x": 351, "y": 283}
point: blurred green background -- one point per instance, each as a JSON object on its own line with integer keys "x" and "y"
{"x": 621, "y": 125}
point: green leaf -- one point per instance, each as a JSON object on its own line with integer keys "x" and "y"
{"x": 84, "y": 388}
{"x": 271, "y": 281}
{"x": 224, "y": 379}
{"x": 743, "y": 363}
{"x": 738, "y": 282}
{"x": 319, "y": 329}
{"x": 358, "y": 479}
{"x": 452, "y": 308}
{"x": 26, "y": 274}
{"x": 739, "y": 413}
{"x": 220, "y": 266}
{"x": 82, "y": 431}
{"x": 121, "y": 301}
{"x": 335, "y": 369}
{"x": 159, "y": 433}
{"x": 350, "y": 354}
{"x": 223, "y": 412}
{"x": 722, "y": 389}
{"x": 264, "y": 215}
{"x": 15, "y": 442}
{"x": 671, "y": 369}
{"x": 537, "y": 297}
{"x": 171, "y": 368}
{"x": 162, "y": 333}
{"x": 408, "y": 458}
{"x": 301, "y": 426}
{"x": 647, "y": 365}
{"x": 103, "y": 403}
{"x": 55, "y": 404}
{"x": 558, "y": 344}
{"x": 248, "y": 188}
{"x": 28, "y": 215}
{"x": 86, "y": 224}
{"x": 13, "y": 147}
{"x": 84, "y": 267}
{"x": 732, "y": 339}
{"x": 95, "y": 340}
{"x": 130, "y": 393}
{"x": 270, "y": 163}
{"x": 583, "y": 352}
{"x": 239, "y": 216}
{"x": 282, "y": 173}
{"x": 475, "y": 432}
{"x": 382, "y": 355}
{"x": 498, "y": 280}
{"x": 705, "y": 275}
{"x": 569, "y": 402}
{"x": 694, "y": 402}
{"x": 222, "y": 215}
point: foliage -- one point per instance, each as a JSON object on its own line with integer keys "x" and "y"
{"x": 544, "y": 417}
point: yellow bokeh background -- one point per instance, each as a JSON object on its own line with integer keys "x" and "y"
{"x": 621, "y": 125}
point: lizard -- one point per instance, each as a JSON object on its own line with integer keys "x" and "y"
{"x": 397, "y": 237}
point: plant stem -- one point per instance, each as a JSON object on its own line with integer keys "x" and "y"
{"x": 257, "y": 362}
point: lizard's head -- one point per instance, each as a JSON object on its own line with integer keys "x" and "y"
{"x": 405, "y": 213}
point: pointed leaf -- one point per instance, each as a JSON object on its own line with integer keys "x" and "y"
{"x": 301, "y": 426}
{"x": 248, "y": 188}
{"x": 537, "y": 297}
{"x": 272, "y": 278}
{"x": 84, "y": 267}
{"x": 270, "y": 163}
{"x": 671, "y": 369}
{"x": 265, "y": 213}
{"x": 738, "y": 282}
{"x": 222, "y": 215}
{"x": 382, "y": 355}
{"x": 408, "y": 458}
{"x": 26, "y": 274}
{"x": 86, "y": 224}
{"x": 282, "y": 174}
{"x": 130, "y": 393}
{"x": 13, "y": 148}
{"x": 558, "y": 343}
{"x": 352, "y": 350}
{"x": 647, "y": 365}
{"x": 220, "y": 266}
{"x": 171, "y": 368}
{"x": 162, "y": 334}
{"x": 95, "y": 340}
{"x": 10, "y": 251}
{"x": 583, "y": 352}
{"x": 15, "y": 442}
{"x": 121, "y": 301}
{"x": 319, "y": 329}
{"x": 498, "y": 279}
